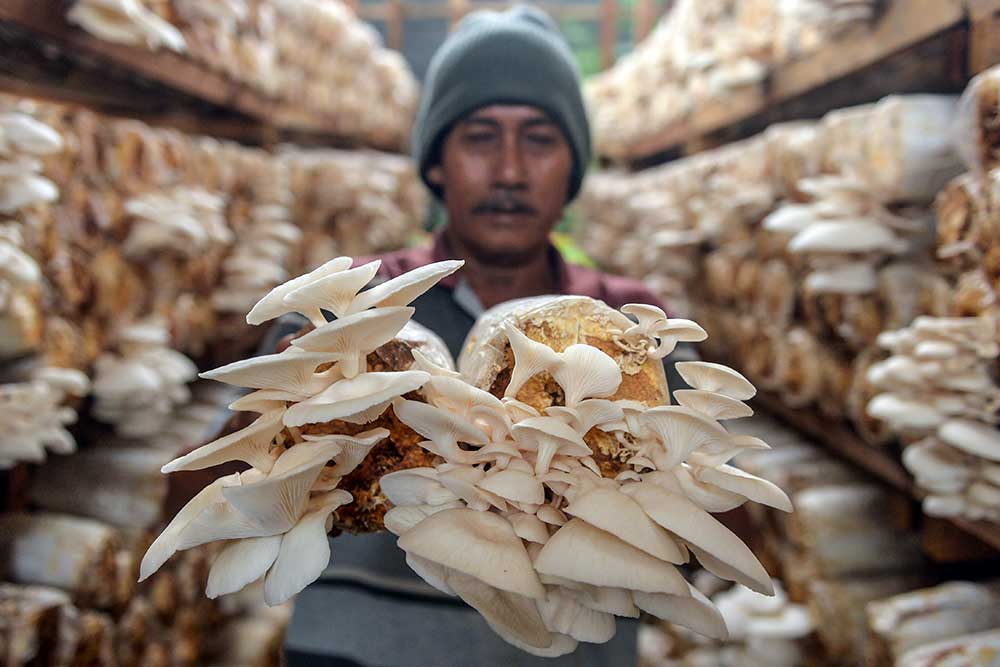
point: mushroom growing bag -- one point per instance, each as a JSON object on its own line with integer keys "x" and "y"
{"x": 550, "y": 484}
{"x": 324, "y": 435}
{"x": 568, "y": 488}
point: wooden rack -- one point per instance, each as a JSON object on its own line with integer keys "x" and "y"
{"x": 914, "y": 46}
{"x": 160, "y": 87}
{"x": 839, "y": 438}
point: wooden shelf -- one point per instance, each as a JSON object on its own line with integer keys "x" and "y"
{"x": 839, "y": 438}
{"x": 182, "y": 83}
{"x": 904, "y": 24}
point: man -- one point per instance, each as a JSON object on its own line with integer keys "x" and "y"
{"x": 502, "y": 139}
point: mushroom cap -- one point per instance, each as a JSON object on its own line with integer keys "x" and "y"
{"x": 712, "y": 404}
{"x": 512, "y": 616}
{"x": 353, "y": 449}
{"x": 455, "y": 394}
{"x": 335, "y": 292}
{"x": 480, "y": 544}
{"x": 972, "y": 436}
{"x": 903, "y": 413}
{"x": 291, "y": 370}
{"x": 514, "y": 485}
{"x": 529, "y": 527}
{"x": 399, "y": 520}
{"x": 614, "y": 512}
{"x": 28, "y": 135}
{"x": 528, "y": 432}
{"x": 587, "y": 414}
{"x": 166, "y": 543}
{"x": 415, "y": 486}
{"x": 463, "y": 481}
{"x": 275, "y": 503}
{"x": 586, "y": 372}
{"x": 703, "y": 533}
{"x": 693, "y": 611}
{"x": 272, "y": 304}
{"x": 264, "y": 400}
{"x": 754, "y": 488}
{"x": 581, "y": 552}
{"x": 304, "y": 551}
{"x": 403, "y": 289}
{"x": 358, "y": 400}
{"x": 791, "y": 218}
{"x": 18, "y": 266}
{"x": 853, "y": 236}
{"x": 444, "y": 429}
{"x": 241, "y": 562}
{"x": 563, "y": 613}
{"x": 530, "y": 358}
{"x": 721, "y": 379}
{"x": 680, "y": 432}
{"x": 850, "y": 278}
{"x": 358, "y": 333}
{"x": 251, "y": 444}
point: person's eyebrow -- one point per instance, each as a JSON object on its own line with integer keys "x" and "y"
{"x": 478, "y": 120}
{"x": 539, "y": 121}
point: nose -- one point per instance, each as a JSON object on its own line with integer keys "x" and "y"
{"x": 510, "y": 172}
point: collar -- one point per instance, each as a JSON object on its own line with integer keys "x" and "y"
{"x": 441, "y": 252}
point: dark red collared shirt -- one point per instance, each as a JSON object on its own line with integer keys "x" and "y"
{"x": 443, "y": 310}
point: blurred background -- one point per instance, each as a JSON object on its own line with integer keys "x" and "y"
{"x": 816, "y": 182}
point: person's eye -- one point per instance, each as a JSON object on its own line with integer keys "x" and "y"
{"x": 542, "y": 139}
{"x": 478, "y": 137}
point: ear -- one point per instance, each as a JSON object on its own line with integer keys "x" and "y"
{"x": 435, "y": 175}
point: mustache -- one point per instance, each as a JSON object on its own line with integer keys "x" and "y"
{"x": 504, "y": 204}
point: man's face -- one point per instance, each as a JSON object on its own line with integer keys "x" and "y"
{"x": 505, "y": 173}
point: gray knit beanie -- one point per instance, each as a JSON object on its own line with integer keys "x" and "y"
{"x": 515, "y": 57}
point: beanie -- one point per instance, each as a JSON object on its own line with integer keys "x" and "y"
{"x": 513, "y": 57}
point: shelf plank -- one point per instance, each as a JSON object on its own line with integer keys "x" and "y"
{"x": 173, "y": 71}
{"x": 904, "y": 24}
{"x": 839, "y": 438}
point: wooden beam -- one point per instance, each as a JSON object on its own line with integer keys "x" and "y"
{"x": 609, "y": 32}
{"x": 395, "y": 25}
{"x": 644, "y": 18}
{"x": 984, "y": 35}
{"x": 444, "y": 9}
{"x": 945, "y": 542}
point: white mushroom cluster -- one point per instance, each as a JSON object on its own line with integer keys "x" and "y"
{"x": 795, "y": 248}
{"x": 262, "y": 254}
{"x": 362, "y": 201}
{"x": 519, "y": 521}
{"x": 22, "y": 141}
{"x": 770, "y": 631}
{"x": 130, "y": 22}
{"x": 976, "y": 134}
{"x": 972, "y": 650}
{"x": 34, "y": 417}
{"x": 703, "y": 53}
{"x": 276, "y": 515}
{"x": 844, "y": 234}
{"x": 20, "y": 282}
{"x": 184, "y": 220}
{"x": 938, "y": 384}
{"x": 326, "y": 66}
{"x": 656, "y": 224}
{"x": 138, "y": 386}
{"x": 902, "y": 623}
